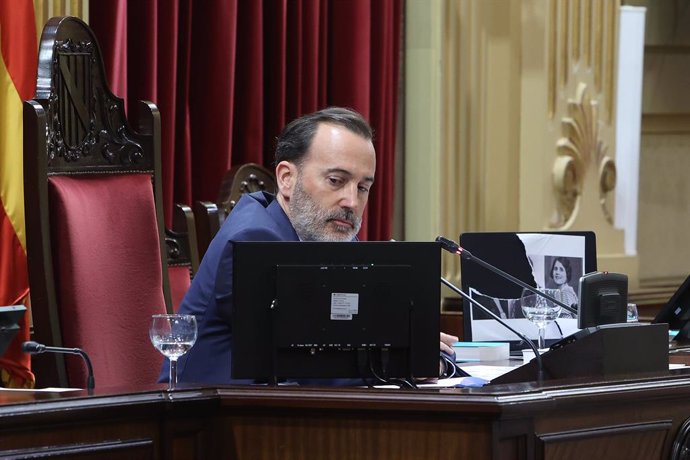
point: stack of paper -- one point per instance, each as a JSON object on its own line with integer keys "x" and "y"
{"x": 481, "y": 351}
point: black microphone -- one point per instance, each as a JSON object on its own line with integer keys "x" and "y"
{"x": 456, "y": 249}
{"x": 36, "y": 348}
{"x": 537, "y": 356}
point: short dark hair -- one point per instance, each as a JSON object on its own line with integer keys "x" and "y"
{"x": 566, "y": 264}
{"x": 297, "y": 136}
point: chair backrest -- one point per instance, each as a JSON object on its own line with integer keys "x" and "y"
{"x": 94, "y": 217}
{"x": 183, "y": 256}
{"x": 246, "y": 178}
{"x": 208, "y": 218}
{"x": 238, "y": 180}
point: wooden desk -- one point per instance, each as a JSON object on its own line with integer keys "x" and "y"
{"x": 631, "y": 419}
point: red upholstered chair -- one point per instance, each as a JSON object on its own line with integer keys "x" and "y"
{"x": 94, "y": 220}
{"x": 246, "y": 178}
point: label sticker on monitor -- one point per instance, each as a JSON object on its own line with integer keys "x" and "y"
{"x": 344, "y": 305}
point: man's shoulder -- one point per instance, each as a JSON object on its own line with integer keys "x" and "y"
{"x": 257, "y": 216}
{"x": 253, "y": 206}
{"x": 253, "y": 202}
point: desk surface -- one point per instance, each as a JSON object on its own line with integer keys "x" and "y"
{"x": 626, "y": 418}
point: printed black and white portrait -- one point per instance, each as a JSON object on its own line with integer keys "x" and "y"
{"x": 563, "y": 273}
{"x": 549, "y": 261}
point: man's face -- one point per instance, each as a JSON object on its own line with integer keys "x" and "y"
{"x": 332, "y": 185}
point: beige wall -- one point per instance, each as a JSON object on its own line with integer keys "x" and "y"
{"x": 664, "y": 221}
{"x": 664, "y": 213}
{"x": 46, "y": 9}
{"x": 509, "y": 120}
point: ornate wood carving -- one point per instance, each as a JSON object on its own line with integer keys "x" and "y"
{"x": 243, "y": 179}
{"x": 83, "y": 117}
{"x": 579, "y": 147}
{"x": 251, "y": 184}
{"x": 71, "y": 101}
{"x": 118, "y": 145}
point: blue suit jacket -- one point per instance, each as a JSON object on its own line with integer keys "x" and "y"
{"x": 256, "y": 217}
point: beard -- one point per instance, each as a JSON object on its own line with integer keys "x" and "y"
{"x": 311, "y": 222}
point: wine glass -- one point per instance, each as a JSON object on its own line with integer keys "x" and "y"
{"x": 173, "y": 336}
{"x": 540, "y": 310}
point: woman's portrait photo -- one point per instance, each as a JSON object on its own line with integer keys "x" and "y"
{"x": 563, "y": 273}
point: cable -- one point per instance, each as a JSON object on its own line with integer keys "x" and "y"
{"x": 371, "y": 369}
{"x": 362, "y": 366}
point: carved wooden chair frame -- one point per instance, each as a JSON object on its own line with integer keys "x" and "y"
{"x": 99, "y": 141}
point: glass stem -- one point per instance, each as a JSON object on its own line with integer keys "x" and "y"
{"x": 542, "y": 341}
{"x": 172, "y": 380}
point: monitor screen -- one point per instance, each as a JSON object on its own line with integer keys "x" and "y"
{"x": 335, "y": 310}
{"x": 676, "y": 312}
{"x": 533, "y": 258}
{"x": 9, "y": 319}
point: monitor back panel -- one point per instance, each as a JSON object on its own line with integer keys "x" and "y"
{"x": 283, "y": 300}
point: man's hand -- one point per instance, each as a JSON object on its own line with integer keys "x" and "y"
{"x": 447, "y": 342}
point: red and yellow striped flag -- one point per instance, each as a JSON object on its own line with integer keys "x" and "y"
{"x": 18, "y": 56}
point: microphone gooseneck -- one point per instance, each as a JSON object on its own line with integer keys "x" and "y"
{"x": 537, "y": 356}
{"x": 37, "y": 348}
{"x": 453, "y": 247}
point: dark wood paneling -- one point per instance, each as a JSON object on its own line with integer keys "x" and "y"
{"x": 643, "y": 440}
{"x": 316, "y": 434}
{"x": 107, "y": 450}
{"x": 634, "y": 418}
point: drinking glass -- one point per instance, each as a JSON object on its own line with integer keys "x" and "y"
{"x": 540, "y": 310}
{"x": 173, "y": 336}
{"x": 632, "y": 313}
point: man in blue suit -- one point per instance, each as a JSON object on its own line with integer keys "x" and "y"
{"x": 325, "y": 165}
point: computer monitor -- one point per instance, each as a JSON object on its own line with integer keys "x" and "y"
{"x": 676, "y": 313}
{"x": 9, "y": 324}
{"x": 530, "y": 257}
{"x": 335, "y": 310}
